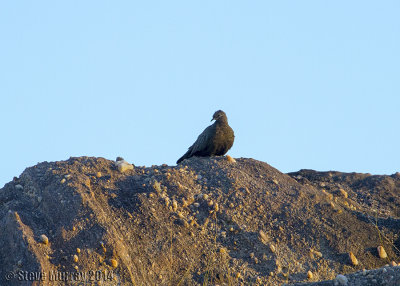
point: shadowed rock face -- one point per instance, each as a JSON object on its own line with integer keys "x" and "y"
{"x": 206, "y": 223}
{"x": 215, "y": 140}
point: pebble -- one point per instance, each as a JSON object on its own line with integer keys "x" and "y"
{"x": 114, "y": 263}
{"x": 44, "y": 239}
{"x": 230, "y": 159}
{"x": 309, "y": 275}
{"x": 353, "y": 259}
{"x": 272, "y": 248}
{"x": 343, "y": 193}
{"x": 174, "y": 205}
{"x": 381, "y": 251}
{"x": 341, "y": 279}
{"x": 19, "y": 187}
{"x": 123, "y": 166}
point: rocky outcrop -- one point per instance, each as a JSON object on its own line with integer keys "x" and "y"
{"x": 207, "y": 221}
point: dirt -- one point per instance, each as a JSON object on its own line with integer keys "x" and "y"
{"x": 207, "y": 221}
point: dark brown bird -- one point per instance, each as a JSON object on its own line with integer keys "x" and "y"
{"x": 215, "y": 140}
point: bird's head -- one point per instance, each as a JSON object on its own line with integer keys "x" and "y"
{"x": 219, "y": 115}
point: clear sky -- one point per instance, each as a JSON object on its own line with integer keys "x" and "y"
{"x": 305, "y": 84}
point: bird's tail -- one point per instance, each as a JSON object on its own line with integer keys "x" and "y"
{"x": 185, "y": 156}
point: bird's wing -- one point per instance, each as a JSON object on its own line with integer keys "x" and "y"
{"x": 203, "y": 141}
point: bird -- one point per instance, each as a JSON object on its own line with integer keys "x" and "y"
{"x": 215, "y": 140}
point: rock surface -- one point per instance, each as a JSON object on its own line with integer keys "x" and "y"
{"x": 204, "y": 222}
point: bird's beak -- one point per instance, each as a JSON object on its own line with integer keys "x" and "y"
{"x": 212, "y": 119}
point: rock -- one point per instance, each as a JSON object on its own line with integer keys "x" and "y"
{"x": 343, "y": 193}
{"x": 381, "y": 251}
{"x": 341, "y": 279}
{"x": 263, "y": 237}
{"x": 44, "y": 239}
{"x": 123, "y": 166}
{"x": 353, "y": 259}
{"x": 309, "y": 275}
{"x": 230, "y": 159}
{"x": 114, "y": 263}
{"x": 19, "y": 187}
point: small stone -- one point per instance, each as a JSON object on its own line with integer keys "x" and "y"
{"x": 78, "y": 250}
{"x": 114, "y": 263}
{"x": 19, "y": 187}
{"x": 62, "y": 181}
{"x": 384, "y": 270}
{"x": 123, "y": 166}
{"x": 341, "y": 279}
{"x": 223, "y": 250}
{"x": 196, "y": 205}
{"x": 317, "y": 253}
{"x": 343, "y": 193}
{"x": 381, "y": 251}
{"x": 174, "y": 205}
{"x": 263, "y": 236}
{"x": 98, "y": 174}
{"x": 44, "y": 239}
{"x": 205, "y": 197}
{"x": 309, "y": 275}
{"x": 393, "y": 263}
{"x": 272, "y": 248}
{"x": 75, "y": 258}
{"x": 353, "y": 259}
{"x": 230, "y": 159}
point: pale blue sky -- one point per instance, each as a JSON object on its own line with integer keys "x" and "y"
{"x": 305, "y": 84}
